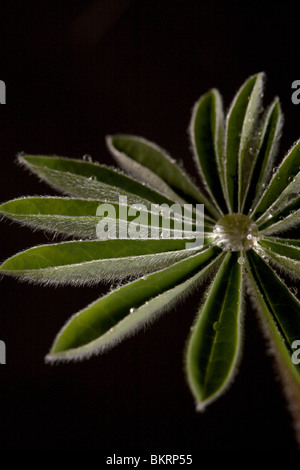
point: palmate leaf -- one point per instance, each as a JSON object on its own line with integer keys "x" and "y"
{"x": 279, "y": 308}
{"x": 149, "y": 163}
{"x": 284, "y": 254}
{"x": 262, "y": 165}
{"x": 279, "y": 226}
{"x": 206, "y": 134}
{"x": 285, "y": 174}
{"x": 85, "y": 179}
{"x": 214, "y": 346}
{"x": 89, "y": 262}
{"x": 107, "y": 320}
{"x": 70, "y": 216}
{"x": 240, "y": 122}
{"x": 79, "y": 217}
{"x": 235, "y": 161}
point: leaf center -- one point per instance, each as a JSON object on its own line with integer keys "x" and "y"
{"x": 235, "y": 232}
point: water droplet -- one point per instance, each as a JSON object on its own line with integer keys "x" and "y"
{"x": 144, "y": 278}
{"x": 132, "y": 310}
{"x": 263, "y": 185}
{"x": 294, "y": 290}
{"x": 235, "y": 232}
{"x": 241, "y": 260}
{"x": 291, "y": 179}
{"x": 275, "y": 170}
{"x": 87, "y": 158}
{"x": 217, "y": 325}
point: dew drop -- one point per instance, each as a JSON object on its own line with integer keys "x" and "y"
{"x": 275, "y": 170}
{"x": 87, "y": 158}
{"x": 235, "y": 232}
{"x": 241, "y": 260}
{"x": 132, "y": 310}
{"x": 294, "y": 290}
{"x": 291, "y": 179}
{"x": 217, "y": 325}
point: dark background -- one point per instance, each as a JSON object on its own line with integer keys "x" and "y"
{"x": 76, "y": 71}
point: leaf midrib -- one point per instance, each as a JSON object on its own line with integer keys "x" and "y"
{"x": 216, "y": 335}
{"x": 269, "y": 305}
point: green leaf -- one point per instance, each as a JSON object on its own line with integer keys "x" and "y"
{"x": 80, "y": 218}
{"x": 206, "y": 133}
{"x": 214, "y": 346}
{"x": 283, "y": 254}
{"x": 76, "y": 217}
{"x": 89, "y": 180}
{"x": 115, "y": 315}
{"x": 240, "y": 122}
{"x": 149, "y": 163}
{"x": 279, "y": 309}
{"x": 89, "y": 262}
{"x": 267, "y": 145}
{"x": 280, "y": 226}
{"x": 282, "y": 241}
{"x": 282, "y": 176}
{"x": 289, "y": 198}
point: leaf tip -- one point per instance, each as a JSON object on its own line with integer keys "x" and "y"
{"x": 201, "y": 407}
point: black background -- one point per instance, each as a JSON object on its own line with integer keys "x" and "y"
{"x": 74, "y": 72}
